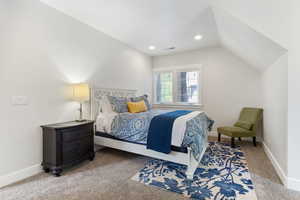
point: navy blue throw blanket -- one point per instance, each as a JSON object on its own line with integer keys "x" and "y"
{"x": 160, "y": 131}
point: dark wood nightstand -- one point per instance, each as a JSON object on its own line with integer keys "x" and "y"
{"x": 66, "y": 144}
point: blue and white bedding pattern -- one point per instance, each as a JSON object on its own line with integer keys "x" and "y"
{"x": 196, "y": 134}
{"x": 134, "y": 128}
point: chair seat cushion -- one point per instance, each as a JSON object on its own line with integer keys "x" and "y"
{"x": 235, "y": 132}
{"x": 244, "y": 124}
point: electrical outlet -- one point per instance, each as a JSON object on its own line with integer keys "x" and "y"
{"x": 19, "y": 100}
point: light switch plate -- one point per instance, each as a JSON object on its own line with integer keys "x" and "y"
{"x": 19, "y": 100}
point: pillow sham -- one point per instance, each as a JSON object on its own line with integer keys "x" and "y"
{"x": 118, "y": 104}
{"x": 142, "y": 98}
{"x": 243, "y": 124}
{"x": 137, "y": 107}
{"x": 106, "y": 105}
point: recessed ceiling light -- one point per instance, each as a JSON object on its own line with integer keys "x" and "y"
{"x": 152, "y": 47}
{"x": 198, "y": 37}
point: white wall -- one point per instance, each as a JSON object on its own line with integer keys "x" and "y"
{"x": 41, "y": 51}
{"x": 228, "y": 83}
{"x": 294, "y": 99}
{"x": 275, "y": 91}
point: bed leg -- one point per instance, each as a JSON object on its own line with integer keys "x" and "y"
{"x": 192, "y": 166}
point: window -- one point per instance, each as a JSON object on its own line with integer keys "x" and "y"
{"x": 164, "y": 87}
{"x": 187, "y": 87}
{"x": 180, "y": 86}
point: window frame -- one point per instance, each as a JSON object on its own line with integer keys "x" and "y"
{"x": 175, "y": 69}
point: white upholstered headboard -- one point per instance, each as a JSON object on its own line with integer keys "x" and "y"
{"x": 98, "y": 93}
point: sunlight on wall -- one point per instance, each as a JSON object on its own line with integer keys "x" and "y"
{"x": 76, "y": 65}
{"x": 72, "y": 69}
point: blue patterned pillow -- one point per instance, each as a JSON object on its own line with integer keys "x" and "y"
{"x": 119, "y": 104}
{"x": 141, "y": 98}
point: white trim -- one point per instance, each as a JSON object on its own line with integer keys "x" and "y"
{"x": 293, "y": 184}
{"x": 290, "y": 183}
{"x": 178, "y": 106}
{"x": 19, "y": 175}
{"x": 275, "y": 164}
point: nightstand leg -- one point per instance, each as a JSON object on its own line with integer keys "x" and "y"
{"x": 46, "y": 169}
{"x": 92, "y": 156}
{"x": 57, "y": 172}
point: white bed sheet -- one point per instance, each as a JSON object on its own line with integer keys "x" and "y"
{"x": 104, "y": 121}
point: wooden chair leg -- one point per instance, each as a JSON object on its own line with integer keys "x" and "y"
{"x": 219, "y": 137}
{"x": 254, "y": 141}
{"x": 232, "y": 142}
{"x": 240, "y": 139}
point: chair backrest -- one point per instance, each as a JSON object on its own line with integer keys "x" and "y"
{"x": 251, "y": 115}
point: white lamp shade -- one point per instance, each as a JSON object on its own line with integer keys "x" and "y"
{"x": 81, "y": 92}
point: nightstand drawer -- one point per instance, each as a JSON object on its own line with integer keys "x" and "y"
{"x": 71, "y": 152}
{"x": 74, "y": 150}
{"x": 71, "y": 134}
{"x": 86, "y": 145}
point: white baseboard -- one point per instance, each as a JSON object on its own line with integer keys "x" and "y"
{"x": 293, "y": 184}
{"x": 275, "y": 164}
{"x": 290, "y": 183}
{"x": 19, "y": 175}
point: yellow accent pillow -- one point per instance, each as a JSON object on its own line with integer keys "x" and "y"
{"x": 136, "y": 107}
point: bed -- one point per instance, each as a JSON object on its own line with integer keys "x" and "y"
{"x": 133, "y": 132}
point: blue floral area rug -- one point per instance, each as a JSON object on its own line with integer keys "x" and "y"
{"x": 222, "y": 175}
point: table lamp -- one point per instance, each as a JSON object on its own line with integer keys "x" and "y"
{"x": 81, "y": 94}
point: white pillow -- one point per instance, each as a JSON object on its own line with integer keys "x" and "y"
{"x": 105, "y": 105}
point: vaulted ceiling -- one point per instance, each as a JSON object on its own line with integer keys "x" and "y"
{"x": 173, "y": 23}
{"x": 253, "y": 47}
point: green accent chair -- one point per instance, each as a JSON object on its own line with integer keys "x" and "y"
{"x": 247, "y": 126}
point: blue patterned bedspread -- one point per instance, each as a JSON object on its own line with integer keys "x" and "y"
{"x": 134, "y": 128}
{"x": 196, "y": 134}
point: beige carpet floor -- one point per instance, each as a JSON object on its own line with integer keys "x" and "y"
{"x": 108, "y": 177}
